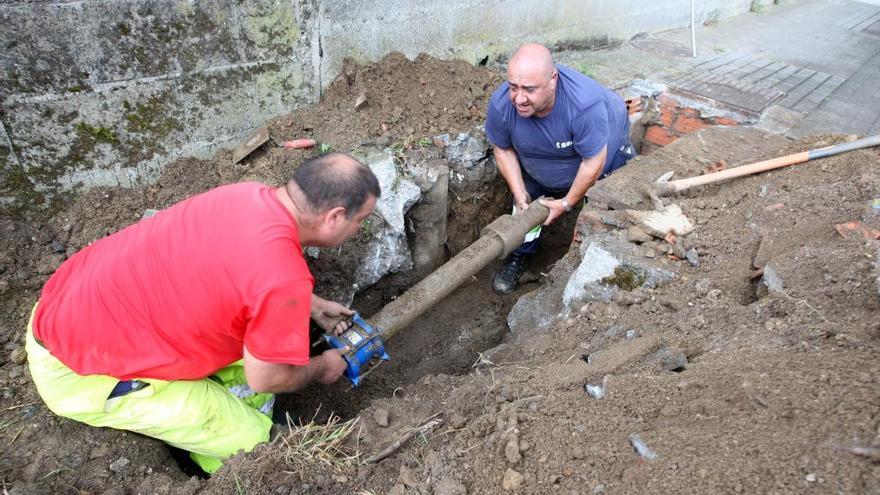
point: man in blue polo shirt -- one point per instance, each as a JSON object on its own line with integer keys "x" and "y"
{"x": 555, "y": 133}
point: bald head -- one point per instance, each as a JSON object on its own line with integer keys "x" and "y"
{"x": 332, "y": 180}
{"x": 531, "y": 80}
{"x": 533, "y": 59}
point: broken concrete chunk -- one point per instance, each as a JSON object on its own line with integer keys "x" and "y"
{"x": 637, "y": 235}
{"x": 771, "y": 279}
{"x": 668, "y": 359}
{"x": 603, "y": 198}
{"x": 659, "y": 223}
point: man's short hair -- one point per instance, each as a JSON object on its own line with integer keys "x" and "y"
{"x": 335, "y": 179}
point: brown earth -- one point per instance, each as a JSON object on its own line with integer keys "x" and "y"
{"x": 776, "y": 389}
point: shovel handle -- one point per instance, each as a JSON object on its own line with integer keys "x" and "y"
{"x": 675, "y": 186}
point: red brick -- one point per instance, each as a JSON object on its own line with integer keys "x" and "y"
{"x": 725, "y": 121}
{"x": 686, "y": 125}
{"x": 667, "y": 115}
{"x": 659, "y": 135}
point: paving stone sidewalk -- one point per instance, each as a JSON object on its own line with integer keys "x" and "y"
{"x": 803, "y": 67}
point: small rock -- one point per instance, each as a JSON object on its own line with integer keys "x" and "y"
{"x": 18, "y": 356}
{"x": 692, "y": 257}
{"x": 649, "y": 253}
{"x": 678, "y": 251}
{"x": 598, "y": 488}
{"x": 512, "y": 480}
{"x": 340, "y": 478}
{"x": 406, "y": 477}
{"x": 764, "y": 191}
{"x": 702, "y": 286}
{"x": 811, "y": 477}
{"x": 148, "y": 213}
{"x": 48, "y": 264}
{"x": 361, "y": 101}
{"x": 511, "y": 451}
{"x": 57, "y": 247}
{"x": 457, "y": 421}
{"x": 673, "y": 302}
{"x": 669, "y": 358}
{"x": 449, "y": 486}
{"x": 630, "y": 334}
{"x": 381, "y": 417}
{"x": 120, "y": 466}
{"x": 99, "y": 451}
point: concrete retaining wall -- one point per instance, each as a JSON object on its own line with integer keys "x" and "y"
{"x": 106, "y": 92}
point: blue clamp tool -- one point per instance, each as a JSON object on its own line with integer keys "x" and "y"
{"x": 364, "y": 343}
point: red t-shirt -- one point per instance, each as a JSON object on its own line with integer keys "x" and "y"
{"x": 177, "y": 295}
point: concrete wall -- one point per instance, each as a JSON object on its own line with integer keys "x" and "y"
{"x": 106, "y": 92}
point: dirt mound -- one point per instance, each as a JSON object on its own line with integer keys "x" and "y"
{"x": 723, "y": 385}
{"x": 770, "y": 390}
{"x": 395, "y": 98}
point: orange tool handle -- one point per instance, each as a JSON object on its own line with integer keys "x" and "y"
{"x": 298, "y": 143}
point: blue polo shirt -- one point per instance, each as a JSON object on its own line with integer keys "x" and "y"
{"x": 585, "y": 117}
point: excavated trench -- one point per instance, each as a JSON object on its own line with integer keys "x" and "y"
{"x": 446, "y": 339}
{"x": 449, "y": 337}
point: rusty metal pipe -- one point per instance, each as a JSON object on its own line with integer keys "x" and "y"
{"x": 497, "y": 240}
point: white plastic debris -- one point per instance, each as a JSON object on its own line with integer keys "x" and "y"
{"x": 641, "y": 448}
{"x": 595, "y": 391}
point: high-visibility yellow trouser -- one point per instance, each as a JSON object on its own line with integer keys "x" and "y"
{"x": 212, "y": 418}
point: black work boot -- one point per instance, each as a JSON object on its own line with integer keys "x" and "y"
{"x": 508, "y": 275}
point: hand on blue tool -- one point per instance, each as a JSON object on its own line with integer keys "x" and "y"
{"x": 333, "y": 366}
{"x": 331, "y": 316}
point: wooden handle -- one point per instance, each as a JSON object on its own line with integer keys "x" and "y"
{"x": 774, "y": 163}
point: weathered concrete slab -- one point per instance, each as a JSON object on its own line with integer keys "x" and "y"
{"x": 598, "y": 270}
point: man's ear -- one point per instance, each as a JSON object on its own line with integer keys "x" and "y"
{"x": 334, "y": 216}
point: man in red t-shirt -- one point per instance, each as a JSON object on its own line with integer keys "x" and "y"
{"x": 183, "y": 325}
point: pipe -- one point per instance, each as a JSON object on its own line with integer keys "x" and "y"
{"x": 497, "y": 240}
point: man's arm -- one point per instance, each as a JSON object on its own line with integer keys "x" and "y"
{"x": 278, "y": 378}
{"x": 587, "y": 175}
{"x": 508, "y": 167}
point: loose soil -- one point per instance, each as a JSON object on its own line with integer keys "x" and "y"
{"x": 776, "y": 389}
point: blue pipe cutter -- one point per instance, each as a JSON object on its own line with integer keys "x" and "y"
{"x": 364, "y": 343}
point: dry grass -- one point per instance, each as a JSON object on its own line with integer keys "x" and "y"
{"x": 308, "y": 445}
{"x": 299, "y": 452}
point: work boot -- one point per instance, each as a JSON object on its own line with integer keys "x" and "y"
{"x": 508, "y": 275}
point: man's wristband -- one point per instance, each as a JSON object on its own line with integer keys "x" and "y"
{"x": 565, "y": 205}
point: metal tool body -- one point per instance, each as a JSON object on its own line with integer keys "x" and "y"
{"x": 364, "y": 342}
